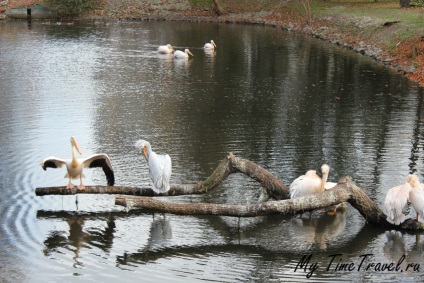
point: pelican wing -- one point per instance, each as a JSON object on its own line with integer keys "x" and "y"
{"x": 53, "y": 162}
{"x": 160, "y": 169}
{"x": 305, "y": 185}
{"x": 395, "y": 203}
{"x": 416, "y": 197}
{"x": 180, "y": 54}
{"x": 103, "y": 161}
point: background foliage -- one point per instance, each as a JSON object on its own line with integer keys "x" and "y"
{"x": 72, "y": 7}
{"x": 417, "y": 3}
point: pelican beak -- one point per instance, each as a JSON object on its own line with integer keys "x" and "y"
{"x": 145, "y": 152}
{"x": 188, "y": 51}
{"x": 77, "y": 146}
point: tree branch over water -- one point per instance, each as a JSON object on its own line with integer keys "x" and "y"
{"x": 345, "y": 191}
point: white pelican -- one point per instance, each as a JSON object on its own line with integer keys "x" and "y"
{"x": 210, "y": 46}
{"x": 416, "y": 197}
{"x": 75, "y": 166}
{"x": 165, "y": 49}
{"x": 160, "y": 166}
{"x": 180, "y": 54}
{"x": 397, "y": 200}
{"x": 310, "y": 183}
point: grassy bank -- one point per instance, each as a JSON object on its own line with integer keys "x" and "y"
{"x": 382, "y": 30}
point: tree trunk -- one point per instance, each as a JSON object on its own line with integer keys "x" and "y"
{"x": 345, "y": 191}
{"x": 219, "y": 8}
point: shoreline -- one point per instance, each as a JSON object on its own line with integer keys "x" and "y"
{"x": 364, "y": 35}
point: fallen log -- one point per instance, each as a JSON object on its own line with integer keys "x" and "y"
{"x": 345, "y": 191}
{"x": 229, "y": 165}
{"x": 114, "y": 190}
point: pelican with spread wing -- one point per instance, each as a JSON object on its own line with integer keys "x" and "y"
{"x": 75, "y": 166}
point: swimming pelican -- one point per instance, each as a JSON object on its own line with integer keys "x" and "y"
{"x": 310, "y": 183}
{"x": 165, "y": 49}
{"x": 160, "y": 166}
{"x": 211, "y": 45}
{"x": 74, "y": 166}
{"x": 180, "y": 54}
{"x": 416, "y": 197}
{"x": 397, "y": 200}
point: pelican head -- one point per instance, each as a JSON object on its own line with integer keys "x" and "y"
{"x": 75, "y": 144}
{"x": 325, "y": 169}
{"x": 188, "y": 52}
{"x": 144, "y": 147}
{"x": 170, "y": 47}
{"x": 412, "y": 180}
{"x": 210, "y": 46}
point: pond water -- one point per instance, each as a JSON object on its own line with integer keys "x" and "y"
{"x": 287, "y": 102}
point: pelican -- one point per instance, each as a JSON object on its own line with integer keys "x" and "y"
{"x": 416, "y": 197}
{"x": 180, "y": 54}
{"x": 165, "y": 49}
{"x": 397, "y": 200}
{"x": 74, "y": 166}
{"x": 160, "y": 166}
{"x": 310, "y": 183}
{"x": 210, "y": 46}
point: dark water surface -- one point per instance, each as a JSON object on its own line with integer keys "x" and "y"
{"x": 286, "y": 102}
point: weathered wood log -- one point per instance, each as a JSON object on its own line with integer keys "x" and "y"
{"x": 274, "y": 187}
{"x": 345, "y": 191}
{"x": 136, "y": 191}
{"x": 291, "y": 206}
{"x": 229, "y": 165}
